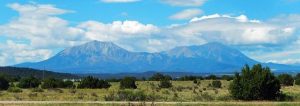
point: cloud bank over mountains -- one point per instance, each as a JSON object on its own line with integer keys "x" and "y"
{"x": 39, "y": 30}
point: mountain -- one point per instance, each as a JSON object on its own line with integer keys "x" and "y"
{"x": 106, "y": 57}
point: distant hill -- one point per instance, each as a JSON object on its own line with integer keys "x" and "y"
{"x": 106, "y": 57}
{"x": 26, "y": 72}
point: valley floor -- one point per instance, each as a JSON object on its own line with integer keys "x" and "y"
{"x": 183, "y": 92}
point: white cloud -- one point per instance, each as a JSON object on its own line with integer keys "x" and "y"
{"x": 42, "y": 31}
{"x": 233, "y": 30}
{"x": 241, "y": 18}
{"x": 186, "y": 14}
{"x": 119, "y": 1}
{"x": 184, "y": 2}
{"x": 12, "y": 53}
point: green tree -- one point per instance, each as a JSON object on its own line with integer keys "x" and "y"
{"x": 29, "y": 82}
{"x": 93, "y": 83}
{"x": 257, "y": 83}
{"x": 4, "y": 84}
{"x": 286, "y": 79}
{"x": 128, "y": 83}
{"x": 297, "y": 79}
{"x": 211, "y": 77}
{"x": 165, "y": 84}
{"x": 159, "y": 77}
{"x": 216, "y": 84}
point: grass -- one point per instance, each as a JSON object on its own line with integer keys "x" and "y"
{"x": 182, "y": 91}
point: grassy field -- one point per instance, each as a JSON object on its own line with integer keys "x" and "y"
{"x": 182, "y": 91}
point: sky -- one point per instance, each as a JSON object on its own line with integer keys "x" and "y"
{"x": 265, "y": 30}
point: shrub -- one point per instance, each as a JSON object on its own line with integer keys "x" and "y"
{"x": 30, "y": 82}
{"x": 68, "y": 84}
{"x": 216, "y": 84}
{"x": 159, "y": 77}
{"x": 211, "y": 77}
{"x": 4, "y": 84}
{"x": 165, "y": 84}
{"x": 227, "y": 77}
{"x": 93, "y": 83}
{"x": 297, "y": 81}
{"x": 286, "y": 79}
{"x": 128, "y": 83}
{"x": 37, "y": 90}
{"x": 257, "y": 83}
{"x": 14, "y": 90}
{"x": 195, "y": 81}
{"x": 128, "y": 95}
{"x": 57, "y": 83}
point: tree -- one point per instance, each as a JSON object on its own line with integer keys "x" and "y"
{"x": 4, "y": 84}
{"x": 57, "y": 83}
{"x": 165, "y": 84}
{"x": 93, "y": 83}
{"x": 216, "y": 84}
{"x": 51, "y": 83}
{"x": 257, "y": 83}
{"x": 297, "y": 79}
{"x": 29, "y": 82}
{"x": 128, "y": 83}
{"x": 211, "y": 77}
{"x": 227, "y": 77}
{"x": 159, "y": 77}
{"x": 286, "y": 79}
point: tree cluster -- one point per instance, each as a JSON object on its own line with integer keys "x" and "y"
{"x": 93, "y": 83}
{"x": 256, "y": 83}
{"x": 57, "y": 83}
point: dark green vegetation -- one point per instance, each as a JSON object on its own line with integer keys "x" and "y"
{"x": 256, "y": 83}
{"x": 94, "y": 83}
{"x": 216, "y": 84}
{"x": 128, "y": 83}
{"x": 286, "y": 79}
{"x": 29, "y": 82}
{"x": 57, "y": 83}
{"x": 15, "y": 73}
{"x": 4, "y": 84}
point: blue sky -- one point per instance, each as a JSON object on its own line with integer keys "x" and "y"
{"x": 266, "y": 30}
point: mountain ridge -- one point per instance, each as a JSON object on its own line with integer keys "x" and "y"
{"x": 107, "y": 57}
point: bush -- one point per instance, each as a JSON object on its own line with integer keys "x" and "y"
{"x": 216, "y": 84}
{"x": 93, "y": 83}
{"x": 30, "y": 82}
{"x": 37, "y": 90}
{"x": 165, "y": 84}
{"x": 286, "y": 79}
{"x": 211, "y": 77}
{"x": 14, "y": 90}
{"x": 227, "y": 77}
{"x": 57, "y": 83}
{"x": 4, "y": 84}
{"x": 128, "y": 83}
{"x": 297, "y": 81}
{"x": 159, "y": 77}
{"x": 257, "y": 83}
{"x": 130, "y": 95}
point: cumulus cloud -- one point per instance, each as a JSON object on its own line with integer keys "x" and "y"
{"x": 186, "y": 14}
{"x": 184, "y": 2}
{"x": 12, "y": 52}
{"x": 43, "y": 31}
{"x": 119, "y": 1}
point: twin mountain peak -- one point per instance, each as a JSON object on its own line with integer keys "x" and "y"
{"x": 107, "y": 57}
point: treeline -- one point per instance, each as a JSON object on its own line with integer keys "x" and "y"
{"x": 15, "y": 73}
